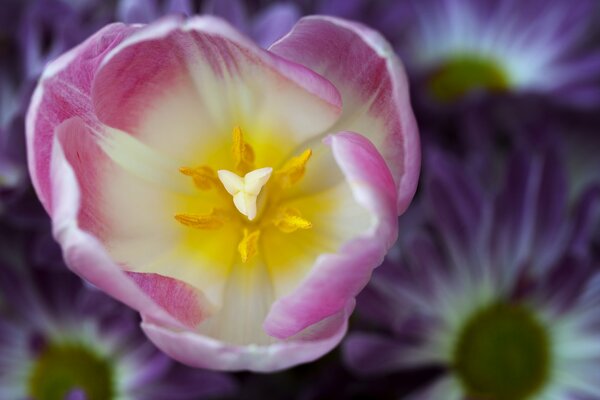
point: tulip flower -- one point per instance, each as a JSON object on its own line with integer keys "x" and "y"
{"x": 238, "y": 198}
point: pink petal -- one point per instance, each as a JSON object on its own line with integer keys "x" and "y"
{"x": 63, "y": 92}
{"x": 179, "y": 299}
{"x": 87, "y": 257}
{"x": 229, "y": 80}
{"x": 374, "y": 88}
{"x": 83, "y": 253}
{"x": 93, "y": 169}
{"x": 204, "y": 352}
{"x": 337, "y": 278}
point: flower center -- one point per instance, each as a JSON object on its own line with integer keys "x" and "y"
{"x": 243, "y": 188}
{"x": 503, "y": 353}
{"x": 66, "y": 367}
{"x": 459, "y": 76}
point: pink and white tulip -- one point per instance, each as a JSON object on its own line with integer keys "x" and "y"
{"x": 238, "y": 198}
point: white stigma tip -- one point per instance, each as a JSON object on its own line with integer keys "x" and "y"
{"x": 245, "y": 190}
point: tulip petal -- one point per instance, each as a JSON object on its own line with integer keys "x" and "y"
{"x": 182, "y": 85}
{"x": 243, "y": 306}
{"x": 374, "y": 88}
{"x": 86, "y": 256}
{"x": 180, "y": 300}
{"x": 205, "y": 352}
{"x": 64, "y": 92}
{"x": 336, "y": 278}
{"x": 132, "y": 218}
{"x": 324, "y": 198}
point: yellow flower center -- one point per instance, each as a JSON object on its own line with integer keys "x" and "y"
{"x": 254, "y": 193}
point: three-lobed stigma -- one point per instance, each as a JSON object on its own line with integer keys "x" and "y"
{"x": 245, "y": 190}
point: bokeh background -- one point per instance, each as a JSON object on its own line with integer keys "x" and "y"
{"x": 507, "y": 215}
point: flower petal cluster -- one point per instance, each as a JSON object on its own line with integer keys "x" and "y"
{"x": 237, "y": 198}
{"x": 500, "y": 292}
{"x": 460, "y": 47}
{"x": 63, "y": 340}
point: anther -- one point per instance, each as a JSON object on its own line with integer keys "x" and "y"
{"x": 289, "y": 219}
{"x": 243, "y": 154}
{"x": 214, "y": 220}
{"x": 293, "y": 170}
{"x": 204, "y": 177}
{"x": 248, "y": 246}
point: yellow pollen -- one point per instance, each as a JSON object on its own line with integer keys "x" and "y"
{"x": 248, "y": 246}
{"x": 245, "y": 190}
{"x": 243, "y": 154}
{"x": 289, "y": 219}
{"x": 214, "y": 220}
{"x": 204, "y": 177}
{"x": 293, "y": 170}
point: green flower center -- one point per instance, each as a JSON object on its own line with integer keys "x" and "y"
{"x": 464, "y": 74}
{"x": 503, "y": 353}
{"x": 62, "y": 368}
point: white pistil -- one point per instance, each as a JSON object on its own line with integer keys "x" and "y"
{"x": 245, "y": 190}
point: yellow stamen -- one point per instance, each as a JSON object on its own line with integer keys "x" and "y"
{"x": 214, "y": 220}
{"x": 243, "y": 154}
{"x": 293, "y": 170}
{"x": 248, "y": 246}
{"x": 289, "y": 220}
{"x": 204, "y": 177}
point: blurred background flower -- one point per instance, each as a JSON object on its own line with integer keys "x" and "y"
{"x": 459, "y": 48}
{"x": 62, "y": 340}
{"x": 504, "y": 91}
{"x": 498, "y": 290}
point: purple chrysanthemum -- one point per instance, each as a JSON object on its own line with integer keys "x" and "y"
{"x": 510, "y": 45}
{"x": 59, "y": 340}
{"x": 499, "y": 291}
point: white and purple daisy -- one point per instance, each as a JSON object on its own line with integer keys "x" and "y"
{"x": 462, "y": 46}
{"x": 61, "y": 340}
{"x": 500, "y": 291}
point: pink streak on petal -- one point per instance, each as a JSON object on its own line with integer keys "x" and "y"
{"x": 179, "y": 299}
{"x": 337, "y": 278}
{"x": 88, "y": 162}
{"x": 62, "y": 93}
{"x": 362, "y": 65}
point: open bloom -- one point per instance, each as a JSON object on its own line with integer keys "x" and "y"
{"x": 238, "y": 198}
{"x": 506, "y": 45}
{"x": 502, "y": 293}
{"x": 60, "y": 340}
